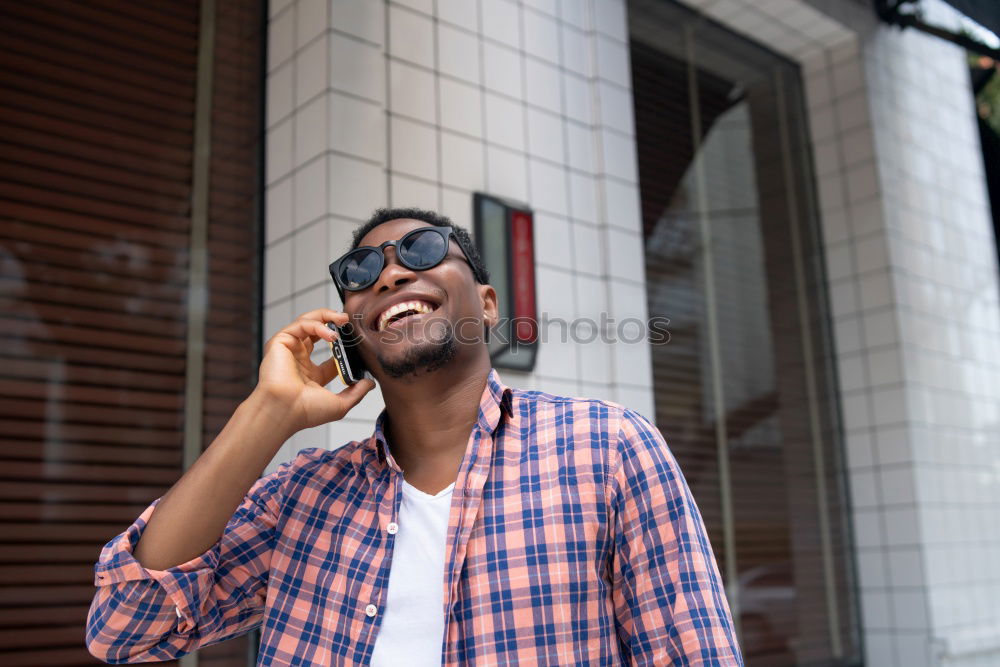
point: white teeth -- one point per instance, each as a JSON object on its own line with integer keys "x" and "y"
{"x": 419, "y": 306}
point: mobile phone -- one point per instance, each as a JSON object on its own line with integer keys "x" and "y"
{"x": 345, "y": 351}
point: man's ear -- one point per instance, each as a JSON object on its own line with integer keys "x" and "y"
{"x": 488, "y": 298}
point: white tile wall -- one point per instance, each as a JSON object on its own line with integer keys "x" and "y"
{"x": 422, "y": 102}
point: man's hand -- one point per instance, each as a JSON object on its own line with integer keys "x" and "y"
{"x": 289, "y": 378}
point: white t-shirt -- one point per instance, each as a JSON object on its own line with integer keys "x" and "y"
{"x": 412, "y": 629}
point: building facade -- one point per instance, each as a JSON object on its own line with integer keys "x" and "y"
{"x": 810, "y": 214}
{"x": 796, "y": 189}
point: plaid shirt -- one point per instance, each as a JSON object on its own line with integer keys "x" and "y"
{"x": 573, "y": 539}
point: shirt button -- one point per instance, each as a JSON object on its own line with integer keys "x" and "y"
{"x": 371, "y": 610}
{"x": 392, "y": 528}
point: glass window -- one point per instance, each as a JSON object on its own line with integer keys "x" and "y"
{"x": 743, "y": 388}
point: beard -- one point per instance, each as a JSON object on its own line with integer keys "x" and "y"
{"x": 424, "y": 358}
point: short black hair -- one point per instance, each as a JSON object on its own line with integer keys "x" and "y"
{"x": 479, "y": 271}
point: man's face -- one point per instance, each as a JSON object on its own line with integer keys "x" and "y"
{"x": 414, "y": 342}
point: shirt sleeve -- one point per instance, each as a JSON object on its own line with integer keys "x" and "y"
{"x": 142, "y": 615}
{"x": 670, "y": 605}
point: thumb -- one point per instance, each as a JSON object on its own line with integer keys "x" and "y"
{"x": 353, "y": 394}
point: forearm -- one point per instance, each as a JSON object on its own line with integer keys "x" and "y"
{"x": 193, "y": 514}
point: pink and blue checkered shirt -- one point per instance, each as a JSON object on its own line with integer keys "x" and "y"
{"x": 573, "y": 539}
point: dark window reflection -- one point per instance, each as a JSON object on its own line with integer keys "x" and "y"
{"x": 743, "y": 388}
{"x": 97, "y": 123}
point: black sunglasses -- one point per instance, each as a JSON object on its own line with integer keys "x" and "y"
{"x": 420, "y": 249}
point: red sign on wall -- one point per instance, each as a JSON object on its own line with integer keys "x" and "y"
{"x": 505, "y": 236}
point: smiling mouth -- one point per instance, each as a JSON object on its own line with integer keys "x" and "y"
{"x": 403, "y": 311}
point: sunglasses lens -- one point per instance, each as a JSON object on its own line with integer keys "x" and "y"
{"x": 423, "y": 249}
{"x": 359, "y": 269}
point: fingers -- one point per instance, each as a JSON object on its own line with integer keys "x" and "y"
{"x": 325, "y": 315}
{"x": 311, "y": 330}
{"x": 328, "y": 371}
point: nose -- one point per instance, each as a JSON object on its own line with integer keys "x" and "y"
{"x": 394, "y": 273}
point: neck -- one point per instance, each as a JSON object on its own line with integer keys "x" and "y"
{"x": 430, "y": 417}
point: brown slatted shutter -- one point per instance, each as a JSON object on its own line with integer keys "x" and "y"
{"x": 97, "y": 117}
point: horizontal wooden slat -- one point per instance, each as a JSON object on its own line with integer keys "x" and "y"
{"x": 26, "y": 617}
{"x": 46, "y": 554}
{"x": 78, "y": 472}
{"x": 69, "y": 412}
{"x": 137, "y": 495}
{"x": 124, "y": 398}
{"x": 19, "y": 428}
{"x": 46, "y": 595}
{"x": 63, "y": 657}
{"x": 66, "y": 511}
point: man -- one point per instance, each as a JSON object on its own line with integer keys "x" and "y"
{"x": 528, "y": 528}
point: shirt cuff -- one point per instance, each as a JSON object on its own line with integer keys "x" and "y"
{"x": 187, "y": 585}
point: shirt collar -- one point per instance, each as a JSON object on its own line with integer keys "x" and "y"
{"x": 494, "y": 404}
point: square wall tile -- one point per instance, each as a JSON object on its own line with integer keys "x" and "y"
{"x": 280, "y": 93}
{"x": 458, "y": 53}
{"x": 612, "y": 61}
{"x": 411, "y": 92}
{"x": 278, "y": 208}
{"x": 610, "y": 18}
{"x": 362, "y": 18}
{"x": 278, "y": 162}
{"x": 545, "y": 135}
{"x": 501, "y": 22}
{"x": 355, "y": 187}
{"x": 310, "y": 21}
{"x": 583, "y": 197}
{"x": 548, "y": 187}
{"x": 357, "y": 68}
{"x": 507, "y": 173}
{"x": 553, "y": 234}
{"x": 579, "y": 100}
{"x": 407, "y": 192}
{"x": 504, "y": 122}
{"x": 580, "y": 140}
{"x": 414, "y": 149}
{"x": 459, "y": 12}
{"x": 423, "y": 6}
{"x": 311, "y": 130}
{"x": 622, "y": 206}
{"x": 356, "y": 127}
{"x": 462, "y": 162}
{"x": 576, "y": 13}
{"x": 587, "y": 255}
{"x": 502, "y": 69}
{"x": 276, "y": 318}
{"x": 411, "y": 36}
{"x": 339, "y": 236}
{"x": 278, "y": 271}
{"x": 280, "y": 39}
{"x": 457, "y": 205}
{"x": 541, "y": 36}
{"x": 616, "y": 107}
{"x": 625, "y": 255}
{"x": 311, "y": 261}
{"x": 460, "y": 107}
{"x": 619, "y": 156}
{"x": 542, "y": 85}
{"x": 576, "y": 52}
{"x": 310, "y": 184}
{"x": 311, "y": 71}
